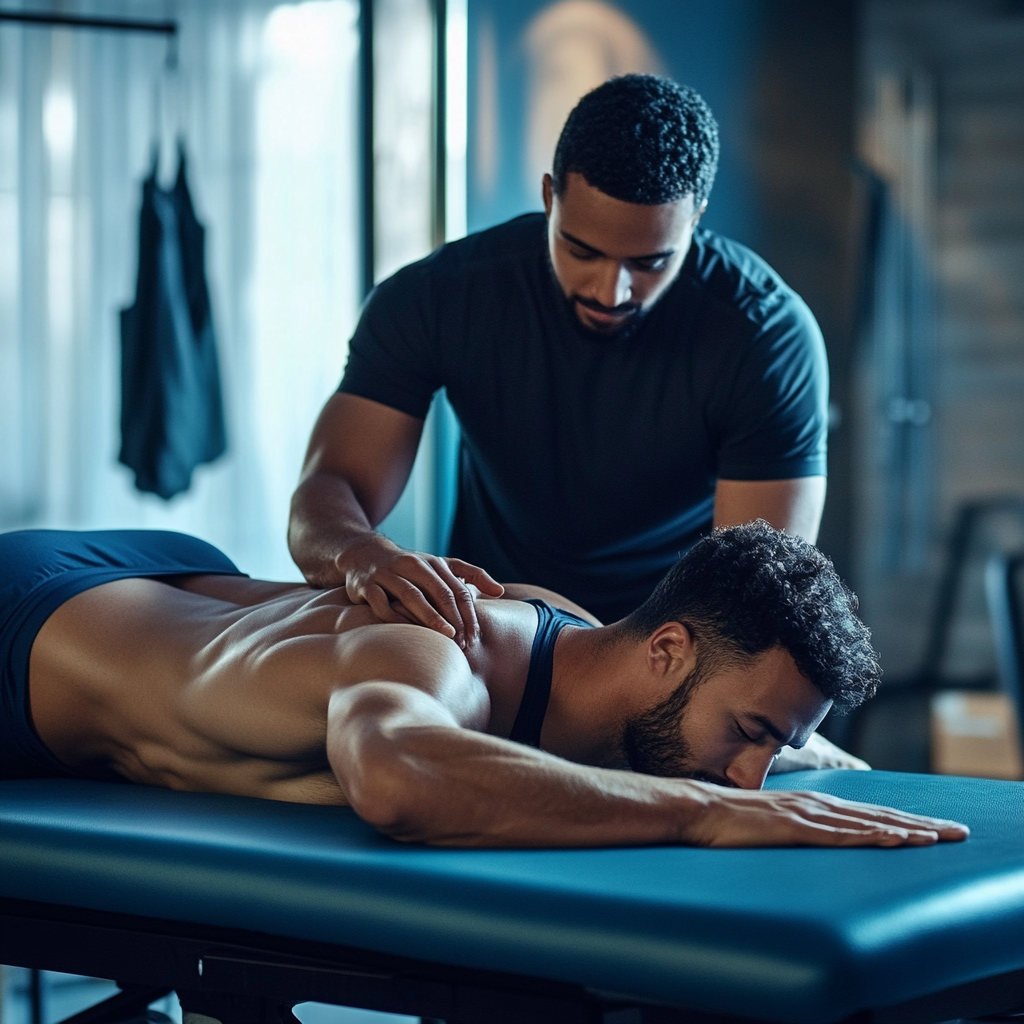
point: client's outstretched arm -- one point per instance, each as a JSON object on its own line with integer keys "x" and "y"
{"x": 407, "y": 767}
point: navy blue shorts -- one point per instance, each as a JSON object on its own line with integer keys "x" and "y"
{"x": 39, "y": 571}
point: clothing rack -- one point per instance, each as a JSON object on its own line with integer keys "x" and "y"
{"x": 76, "y": 21}
{"x": 164, "y": 28}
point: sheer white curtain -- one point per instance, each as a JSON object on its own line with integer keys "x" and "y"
{"x": 268, "y": 106}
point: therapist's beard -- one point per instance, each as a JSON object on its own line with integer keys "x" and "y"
{"x": 636, "y": 318}
{"x": 653, "y": 743}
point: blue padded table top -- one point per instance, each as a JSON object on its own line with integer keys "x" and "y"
{"x": 790, "y": 935}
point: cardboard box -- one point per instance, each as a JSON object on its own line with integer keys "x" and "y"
{"x": 975, "y": 734}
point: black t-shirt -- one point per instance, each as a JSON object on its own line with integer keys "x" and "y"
{"x": 588, "y": 464}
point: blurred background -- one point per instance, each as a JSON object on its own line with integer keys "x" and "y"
{"x": 872, "y": 152}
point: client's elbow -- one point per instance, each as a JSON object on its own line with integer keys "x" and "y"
{"x": 388, "y": 746}
{"x": 382, "y": 799}
{"x": 381, "y": 785}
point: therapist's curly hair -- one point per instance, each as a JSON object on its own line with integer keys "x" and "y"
{"x": 744, "y": 590}
{"x": 642, "y": 139}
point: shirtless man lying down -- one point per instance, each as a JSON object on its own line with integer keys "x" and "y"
{"x": 147, "y": 656}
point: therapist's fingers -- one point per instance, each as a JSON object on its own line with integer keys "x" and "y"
{"x": 429, "y": 600}
{"x": 436, "y": 597}
{"x": 433, "y": 591}
{"x": 382, "y": 591}
{"x": 480, "y": 579}
{"x": 462, "y": 595}
{"x": 381, "y": 605}
{"x": 384, "y": 575}
{"x": 448, "y": 594}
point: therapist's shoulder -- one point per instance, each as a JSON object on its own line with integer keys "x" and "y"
{"x": 493, "y": 251}
{"x": 432, "y": 322}
{"x": 520, "y": 238}
{"x": 741, "y": 288}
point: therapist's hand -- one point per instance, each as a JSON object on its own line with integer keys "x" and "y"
{"x": 358, "y": 463}
{"x": 818, "y": 752}
{"x": 408, "y": 586}
{"x": 743, "y": 817}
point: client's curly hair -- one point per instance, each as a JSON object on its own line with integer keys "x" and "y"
{"x": 749, "y": 588}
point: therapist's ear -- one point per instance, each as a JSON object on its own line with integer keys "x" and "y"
{"x": 671, "y": 651}
{"x": 700, "y": 213}
{"x": 547, "y": 189}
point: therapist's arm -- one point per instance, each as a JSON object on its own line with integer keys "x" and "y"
{"x": 357, "y": 464}
{"x": 791, "y": 505}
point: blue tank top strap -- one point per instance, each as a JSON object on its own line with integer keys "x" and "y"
{"x": 537, "y": 692}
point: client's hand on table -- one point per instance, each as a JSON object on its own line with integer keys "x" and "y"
{"x": 745, "y": 817}
{"x": 818, "y": 752}
{"x": 409, "y": 586}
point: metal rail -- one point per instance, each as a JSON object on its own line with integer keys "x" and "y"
{"x": 163, "y": 28}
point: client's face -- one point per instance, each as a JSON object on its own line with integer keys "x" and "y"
{"x": 728, "y": 728}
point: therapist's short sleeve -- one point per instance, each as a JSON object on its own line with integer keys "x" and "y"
{"x": 392, "y": 356}
{"x": 773, "y": 414}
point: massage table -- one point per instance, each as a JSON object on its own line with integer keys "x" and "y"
{"x": 248, "y": 907}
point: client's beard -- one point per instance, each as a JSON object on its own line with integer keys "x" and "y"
{"x": 653, "y": 744}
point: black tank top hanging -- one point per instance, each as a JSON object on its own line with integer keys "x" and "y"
{"x": 172, "y": 416}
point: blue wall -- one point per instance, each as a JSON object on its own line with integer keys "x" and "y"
{"x": 708, "y": 44}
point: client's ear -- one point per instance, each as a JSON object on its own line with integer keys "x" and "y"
{"x": 671, "y": 651}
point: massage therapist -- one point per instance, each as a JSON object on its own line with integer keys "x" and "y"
{"x": 623, "y": 378}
